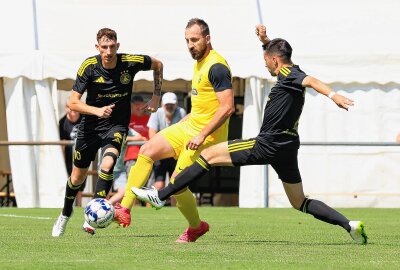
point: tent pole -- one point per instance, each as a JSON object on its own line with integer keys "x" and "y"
{"x": 260, "y": 20}
{"x": 35, "y": 28}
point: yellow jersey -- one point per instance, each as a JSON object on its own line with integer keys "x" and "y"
{"x": 203, "y": 98}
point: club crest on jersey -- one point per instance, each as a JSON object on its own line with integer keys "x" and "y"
{"x": 194, "y": 92}
{"x": 125, "y": 77}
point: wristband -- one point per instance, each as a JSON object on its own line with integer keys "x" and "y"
{"x": 331, "y": 94}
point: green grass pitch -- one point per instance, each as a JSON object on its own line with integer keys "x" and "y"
{"x": 238, "y": 239}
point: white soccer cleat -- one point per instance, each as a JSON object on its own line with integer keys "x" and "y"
{"x": 88, "y": 229}
{"x": 357, "y": 232}
{"x": 60, "y": 225}
{"x": 149, "y": 195}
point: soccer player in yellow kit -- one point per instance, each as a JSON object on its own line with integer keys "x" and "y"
{"x": 207, "y": 124}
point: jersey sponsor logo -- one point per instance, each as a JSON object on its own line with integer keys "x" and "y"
{"x": 100, "y": 80}
{"x": 194, "y": 92}
{"x": 125, "y": 77}
{"x": 116, "y": 95}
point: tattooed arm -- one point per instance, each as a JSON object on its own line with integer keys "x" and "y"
{"x": 157, "y": 67}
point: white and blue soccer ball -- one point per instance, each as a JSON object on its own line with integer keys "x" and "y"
{"x": 99, "y": 213}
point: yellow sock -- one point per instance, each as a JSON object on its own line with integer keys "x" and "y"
{"x": 186, "y": 203}
{"x": 138, "y": 176}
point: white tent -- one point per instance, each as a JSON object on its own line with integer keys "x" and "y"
{"x": 350, "y": 44}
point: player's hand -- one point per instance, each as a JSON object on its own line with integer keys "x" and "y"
{"x": 152, "y": 105}
{"x": 261, "y": 32}
{"x": 105, "y": 112}
{"x": 342, "y": 101}
{"x": 195, "y": 142}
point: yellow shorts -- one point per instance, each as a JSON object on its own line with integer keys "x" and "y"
{"x": 179, "y": 134}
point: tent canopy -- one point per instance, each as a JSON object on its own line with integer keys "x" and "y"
{"x": 341, "y": 41}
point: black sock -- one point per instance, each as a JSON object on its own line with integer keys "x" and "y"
{"x": 70, "y": 194}
{"x": 325, "y": 213}
{"x": 185, "y": 178}
{"x": 104, "y": 184}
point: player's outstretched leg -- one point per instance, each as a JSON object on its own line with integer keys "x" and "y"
{"x": 323, "y": 212}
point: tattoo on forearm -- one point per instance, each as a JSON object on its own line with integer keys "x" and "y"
{"x": 158, "y": 78}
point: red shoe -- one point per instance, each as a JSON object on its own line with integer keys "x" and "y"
{"x": 191, "y": 235}
{"x": 122, "y": 215}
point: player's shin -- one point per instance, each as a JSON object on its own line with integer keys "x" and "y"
{"x": 186, "y": 203}
{"x": 185, "y": 178}
{"x": 104, "y": 183}
{"x": 325, "y": 213}
{"x": 70, "y": 193}
{"x": 138, "y": 176}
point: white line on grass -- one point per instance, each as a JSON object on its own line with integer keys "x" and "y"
{"x": 31, "y": 217}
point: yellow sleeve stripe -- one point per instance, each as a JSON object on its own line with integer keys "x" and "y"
{"x": 132, "y": 58}
{"x": 285, "y": 71}
{"x": 241, "y": 146}
{"x": 88, "y": 62}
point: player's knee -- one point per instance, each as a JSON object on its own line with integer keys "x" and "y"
{"x": 146, "y": 149}
{"x": 108, "y": 161}
{"x": 207, "y": 155}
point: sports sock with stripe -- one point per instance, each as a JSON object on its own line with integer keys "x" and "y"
{"x": 325, "y": 213}
{"x": 138, "y": 176}
{"x": 185, "y": 178}
{"x": 104, "y": 184}
{"x": 70, "y": 194}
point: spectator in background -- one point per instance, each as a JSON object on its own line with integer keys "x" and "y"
{"x": 169, "y": 114}
{"x": 68, "y": 128}
{"x": 138, "y": 123}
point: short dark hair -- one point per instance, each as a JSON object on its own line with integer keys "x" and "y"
{"x": 136, "y": 98}
{"x": 203, "y": 25}
{"x": 109, "y": 33}
{"x": 281, "y": 48}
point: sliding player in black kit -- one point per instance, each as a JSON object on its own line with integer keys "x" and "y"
{"x": 108, "y": 79}
{"x": 277, "y": 143}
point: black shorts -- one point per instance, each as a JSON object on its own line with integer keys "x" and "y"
{"x": 161, "y": 167}
{"x": 261, "y": 152}
{"x": 86, "y": 147}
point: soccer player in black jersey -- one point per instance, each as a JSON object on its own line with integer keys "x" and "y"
{"x": 107, "y": 78}
{"x": 276, "y": 144}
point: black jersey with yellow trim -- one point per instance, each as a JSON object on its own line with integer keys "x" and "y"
{"x": 109, "y": 86}
{"x": 283, "y": 109}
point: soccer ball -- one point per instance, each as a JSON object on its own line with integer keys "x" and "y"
{"x": 99, "y": 213}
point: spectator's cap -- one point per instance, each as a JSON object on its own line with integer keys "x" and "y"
{"x": 169, "y": 98}
{"x": 136, "y": 98}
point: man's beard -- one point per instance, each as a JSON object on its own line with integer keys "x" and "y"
{"x": 197, "y": 55}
